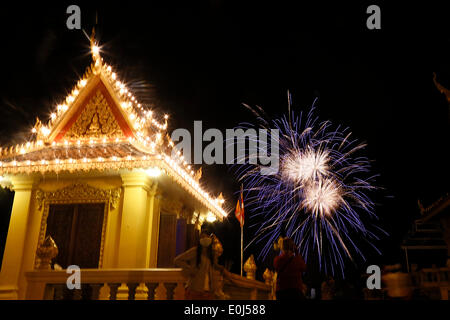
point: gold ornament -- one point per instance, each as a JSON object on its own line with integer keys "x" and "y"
{"x": 46, "y": 252}
{"x": 268, "y": 276}
{"x": 79, "y": 192}
{"x": 95, "y": 121}
{"x": 198, "y": 175}
{"x": 250, "y": 268}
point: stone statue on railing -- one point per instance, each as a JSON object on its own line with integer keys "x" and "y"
{"x": 46, "y": 252}
{"x": 250, "y": 268}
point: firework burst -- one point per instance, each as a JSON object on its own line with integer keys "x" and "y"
{"x": 320, "y": 194}
{"x": 303, "y": 166}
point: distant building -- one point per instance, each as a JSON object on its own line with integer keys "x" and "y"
{"x": 428, "y": 241}
{"x": 426, "y": 251}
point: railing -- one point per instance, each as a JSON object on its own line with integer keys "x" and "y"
{"x": 432, "y": 281}
{"x": 130, "y": 284}
{"x": 240, "y": 288}
{"x": 436, "y": 278}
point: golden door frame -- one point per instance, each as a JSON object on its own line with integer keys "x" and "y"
{"x": 74, "y": 194}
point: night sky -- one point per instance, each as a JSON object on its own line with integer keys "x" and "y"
{"x": 202, "y": 62}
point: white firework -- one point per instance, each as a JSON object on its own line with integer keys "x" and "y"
{"x": 302, "y": 167}
{"x": 322, "y": 197}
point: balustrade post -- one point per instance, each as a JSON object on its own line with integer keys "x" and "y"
{"x": 160, "y": 292}
{"x": 141, "y": 292}
{"x": 122, "y": 292}
{"x": 179, "y": 292}
{"x": 104, "y": 292}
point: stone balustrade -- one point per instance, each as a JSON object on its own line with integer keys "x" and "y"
{"x": 130, "y": 284}
{"x": 436, "y": 278}
{"x": 432, "y": 277}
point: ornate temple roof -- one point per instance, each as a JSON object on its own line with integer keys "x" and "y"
{"x": 102, "y": 126}
{"x": 437, "y": 207}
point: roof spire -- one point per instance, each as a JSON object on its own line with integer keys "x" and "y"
{"x": 92, "y": 38}
{"x": 95, "y": 52}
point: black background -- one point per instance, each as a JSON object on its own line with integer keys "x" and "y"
{"x": 202, "y": 61}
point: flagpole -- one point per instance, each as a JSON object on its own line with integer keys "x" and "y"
{"x": 242, "y": 228}
{"x": 240, "y": 216}
{"x": 242, "y": 246}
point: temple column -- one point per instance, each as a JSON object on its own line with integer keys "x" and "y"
{"x": 17, "y": 232}
{"x": 134, "y": 231}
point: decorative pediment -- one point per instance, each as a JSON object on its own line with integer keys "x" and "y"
{"x": 95, "y": 115}
{"x": 78, "y": 193}
{"x": 95, "y": 121}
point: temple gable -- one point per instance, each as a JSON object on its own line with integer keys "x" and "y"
{"x": 95, "y": 121}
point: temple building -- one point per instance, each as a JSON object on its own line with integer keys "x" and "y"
{"x": 101, "y": 186}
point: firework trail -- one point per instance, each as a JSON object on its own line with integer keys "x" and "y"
{"x": 320, "y": 194}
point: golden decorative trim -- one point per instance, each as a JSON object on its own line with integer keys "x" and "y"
{"x": 121, "y": 163}
{"x": 96, "y": 120}
{"x": 171, "y": 205}
{"x": 79, "y": 165}
{"x": 73, "y": 194}
{"x": 79, "y": 192}
{"x": 46, "y": 252}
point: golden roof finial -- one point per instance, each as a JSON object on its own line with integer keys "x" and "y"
{"x": 92, "y": 38}
{"x": 220, "y": 198}
{"x": 95, "y": 52}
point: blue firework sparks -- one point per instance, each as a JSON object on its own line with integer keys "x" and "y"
{"x": 320, "y": 194}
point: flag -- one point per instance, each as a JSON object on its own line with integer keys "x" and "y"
{"x": 240, "y": 209}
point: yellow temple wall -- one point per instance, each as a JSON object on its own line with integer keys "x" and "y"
{"x": 136, "y": 217}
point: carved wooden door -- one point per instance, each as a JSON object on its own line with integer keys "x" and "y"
{"x": 167, "y": 240}
{"x": 77, "y": 231}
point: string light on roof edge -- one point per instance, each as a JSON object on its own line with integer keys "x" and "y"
{"x": 130, "y": 105}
